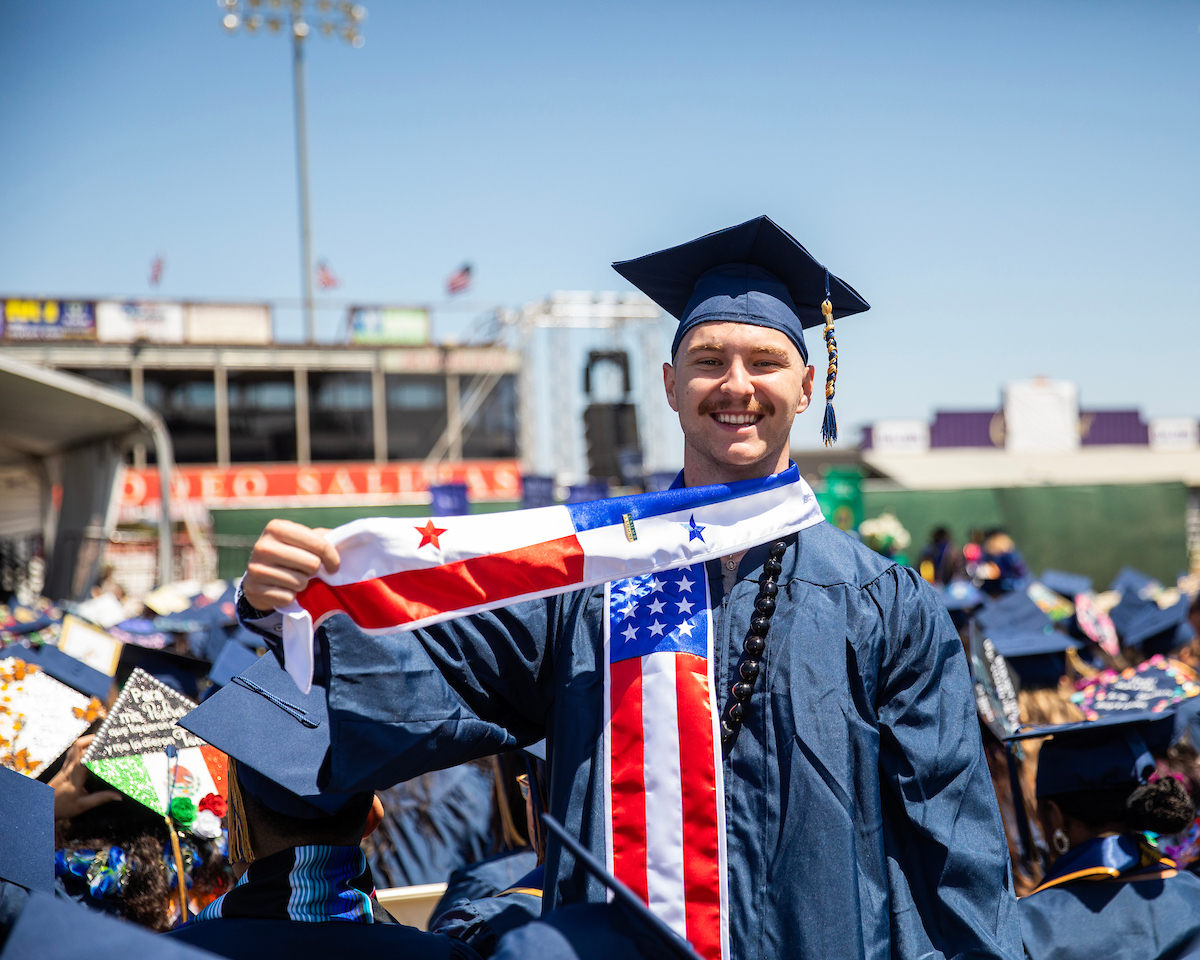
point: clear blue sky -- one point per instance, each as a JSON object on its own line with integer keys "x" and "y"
{"x": 1014, "y": 186}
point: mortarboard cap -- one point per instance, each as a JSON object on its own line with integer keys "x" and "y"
{"x": 1026, "y": 638}
{"x": 53, "y": 928}
{"x": 179, "y": 672}
{"x": 1098, "y": 754}
{"x": 626, "y": 897}
{"x": 66, "y": 669}
{"x": 537, "y": 750}
{"x": 1069, "y": 585}
{"x": 26, "y": 831}
{"x": 278, "y": 736}
{"x": 962, "y": 595}
{"x": 754, "y": 273}
{"x": 232, "y": 660}
{"x": 1013, "y": 614}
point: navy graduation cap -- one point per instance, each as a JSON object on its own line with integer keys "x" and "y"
{"x": 54, "y": 928}
{"x": 1026, "y": 638}
{"x": 278, "y": 736}
{"x": 756, "y": 273}
{"x": 1099, "y": 754}
{"x": 1069, "y": 585}
{"x": 668, "y": 938}
{"x": 26, "y": 831}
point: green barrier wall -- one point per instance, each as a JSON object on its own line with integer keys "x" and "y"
{"x": 1094, "y": 530}
{"x": 248, "y": 524}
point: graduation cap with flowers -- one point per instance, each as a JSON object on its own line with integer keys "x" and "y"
{"x": 141, "y": 751}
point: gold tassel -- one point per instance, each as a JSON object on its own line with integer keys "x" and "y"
{"x": 240, "y": 849}
{"x": 829, "y": 424}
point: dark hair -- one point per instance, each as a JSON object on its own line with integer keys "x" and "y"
{"x": 333, "y": 830}
{"x": 1162, "y": 806}
{"x": 126, "y": 824}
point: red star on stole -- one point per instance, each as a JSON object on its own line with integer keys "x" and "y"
{"x": 429, "y": 534}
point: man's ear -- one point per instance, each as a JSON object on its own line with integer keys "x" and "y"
{"x": 669, "y": 385}
{"x": 806, "y": 389}
{"x": 374, "y": 817}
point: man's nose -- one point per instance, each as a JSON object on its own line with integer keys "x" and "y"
{"x": 737, "y": 382}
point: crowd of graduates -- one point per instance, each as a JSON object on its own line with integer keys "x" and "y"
{"x": 1107, "y": 674}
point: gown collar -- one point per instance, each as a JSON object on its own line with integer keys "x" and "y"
{"x": 1111, "y": 857}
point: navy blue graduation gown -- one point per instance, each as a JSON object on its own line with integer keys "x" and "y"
{"x": 861, "y": 819}
{"x": 1143, "y": 914}
{"x": 247, "y": 939}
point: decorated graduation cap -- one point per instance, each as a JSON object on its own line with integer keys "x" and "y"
{"x": 40, "y": 717}
{"x": 1096, "y": 755}
{"x": 26, "y": 831}
{"x": 144, "y": 753}
{"x": 277, "y": 739}
{"x": 756, "y": 273}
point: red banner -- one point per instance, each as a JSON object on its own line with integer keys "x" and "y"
{"x": 325, "y": 484}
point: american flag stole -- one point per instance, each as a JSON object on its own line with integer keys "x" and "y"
{"x": 664, "y": 792}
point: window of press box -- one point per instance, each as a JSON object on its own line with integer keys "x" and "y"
{"x": 262, "y": 416}
{"x": 492, "y": 433}
{"x": 416, "y": 414}
{"x": 340, "y": 416}
{"x": 185, "y": 399}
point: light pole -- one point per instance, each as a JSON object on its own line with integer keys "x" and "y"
{"x": 331, "y": 19}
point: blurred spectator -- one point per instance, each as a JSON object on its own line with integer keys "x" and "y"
{"x": 940, "y": 561}
{"x": 1001, "y": 568}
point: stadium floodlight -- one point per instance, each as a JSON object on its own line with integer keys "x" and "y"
{"x": 331, "y": 19}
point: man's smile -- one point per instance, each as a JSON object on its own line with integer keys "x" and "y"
{"x": 731, "y": 419}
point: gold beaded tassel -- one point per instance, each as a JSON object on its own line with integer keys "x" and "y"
{"x": 829, "y": 424}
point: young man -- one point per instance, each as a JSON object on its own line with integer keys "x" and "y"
{"x": 855, "y": 812}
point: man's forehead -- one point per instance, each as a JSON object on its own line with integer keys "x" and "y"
{"x": 742, "y": 337}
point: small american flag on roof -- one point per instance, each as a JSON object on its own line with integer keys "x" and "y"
{"x": 459, "y": 281}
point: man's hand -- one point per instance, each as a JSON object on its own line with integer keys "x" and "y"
{"x": 70, "y": 799}
{"x": 284, "y": 558}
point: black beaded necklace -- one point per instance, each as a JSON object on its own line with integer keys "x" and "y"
{"x": 750, "y": 664}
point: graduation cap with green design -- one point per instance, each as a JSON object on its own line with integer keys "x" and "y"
{"x": 142, "y": 752}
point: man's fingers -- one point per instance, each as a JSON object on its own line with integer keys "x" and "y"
{"x": 90, "y": 800}
{"x": 270, "y": 599}
{"x": 275, "y": 554}
{"x": 266, "y": 576}
{"x": 297, "y": 535}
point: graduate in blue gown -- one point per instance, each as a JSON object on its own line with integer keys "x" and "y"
{"x": 860, "y": 816}
{"x": 1109, "y": 892}
{"x": 307, "y": 891}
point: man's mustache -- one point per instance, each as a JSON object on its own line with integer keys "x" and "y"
{"x": 719, "y": 406}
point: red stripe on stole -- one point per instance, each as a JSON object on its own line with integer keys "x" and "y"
{"x": 410, "y": 595}
{"x": 627, "y": 751}
{"x": 697, "y": 762}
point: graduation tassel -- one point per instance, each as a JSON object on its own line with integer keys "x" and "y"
{"x": 829, "y": 424}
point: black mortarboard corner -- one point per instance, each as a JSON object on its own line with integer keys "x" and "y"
{"x": 278, "y": 736}
{"x": 1099, "y": 754}
{"x": 1141, "y": 622}
{"x": 26, "y": 831}
{"x": 232, "y": 660}
{"x": 754, "y": 273}
{"x": 626, "y": 897}
{"x": 54, "y": 928}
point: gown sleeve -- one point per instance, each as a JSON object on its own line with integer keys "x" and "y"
{"x": 407, "y": 703}
{"x": 948, "y": 864}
